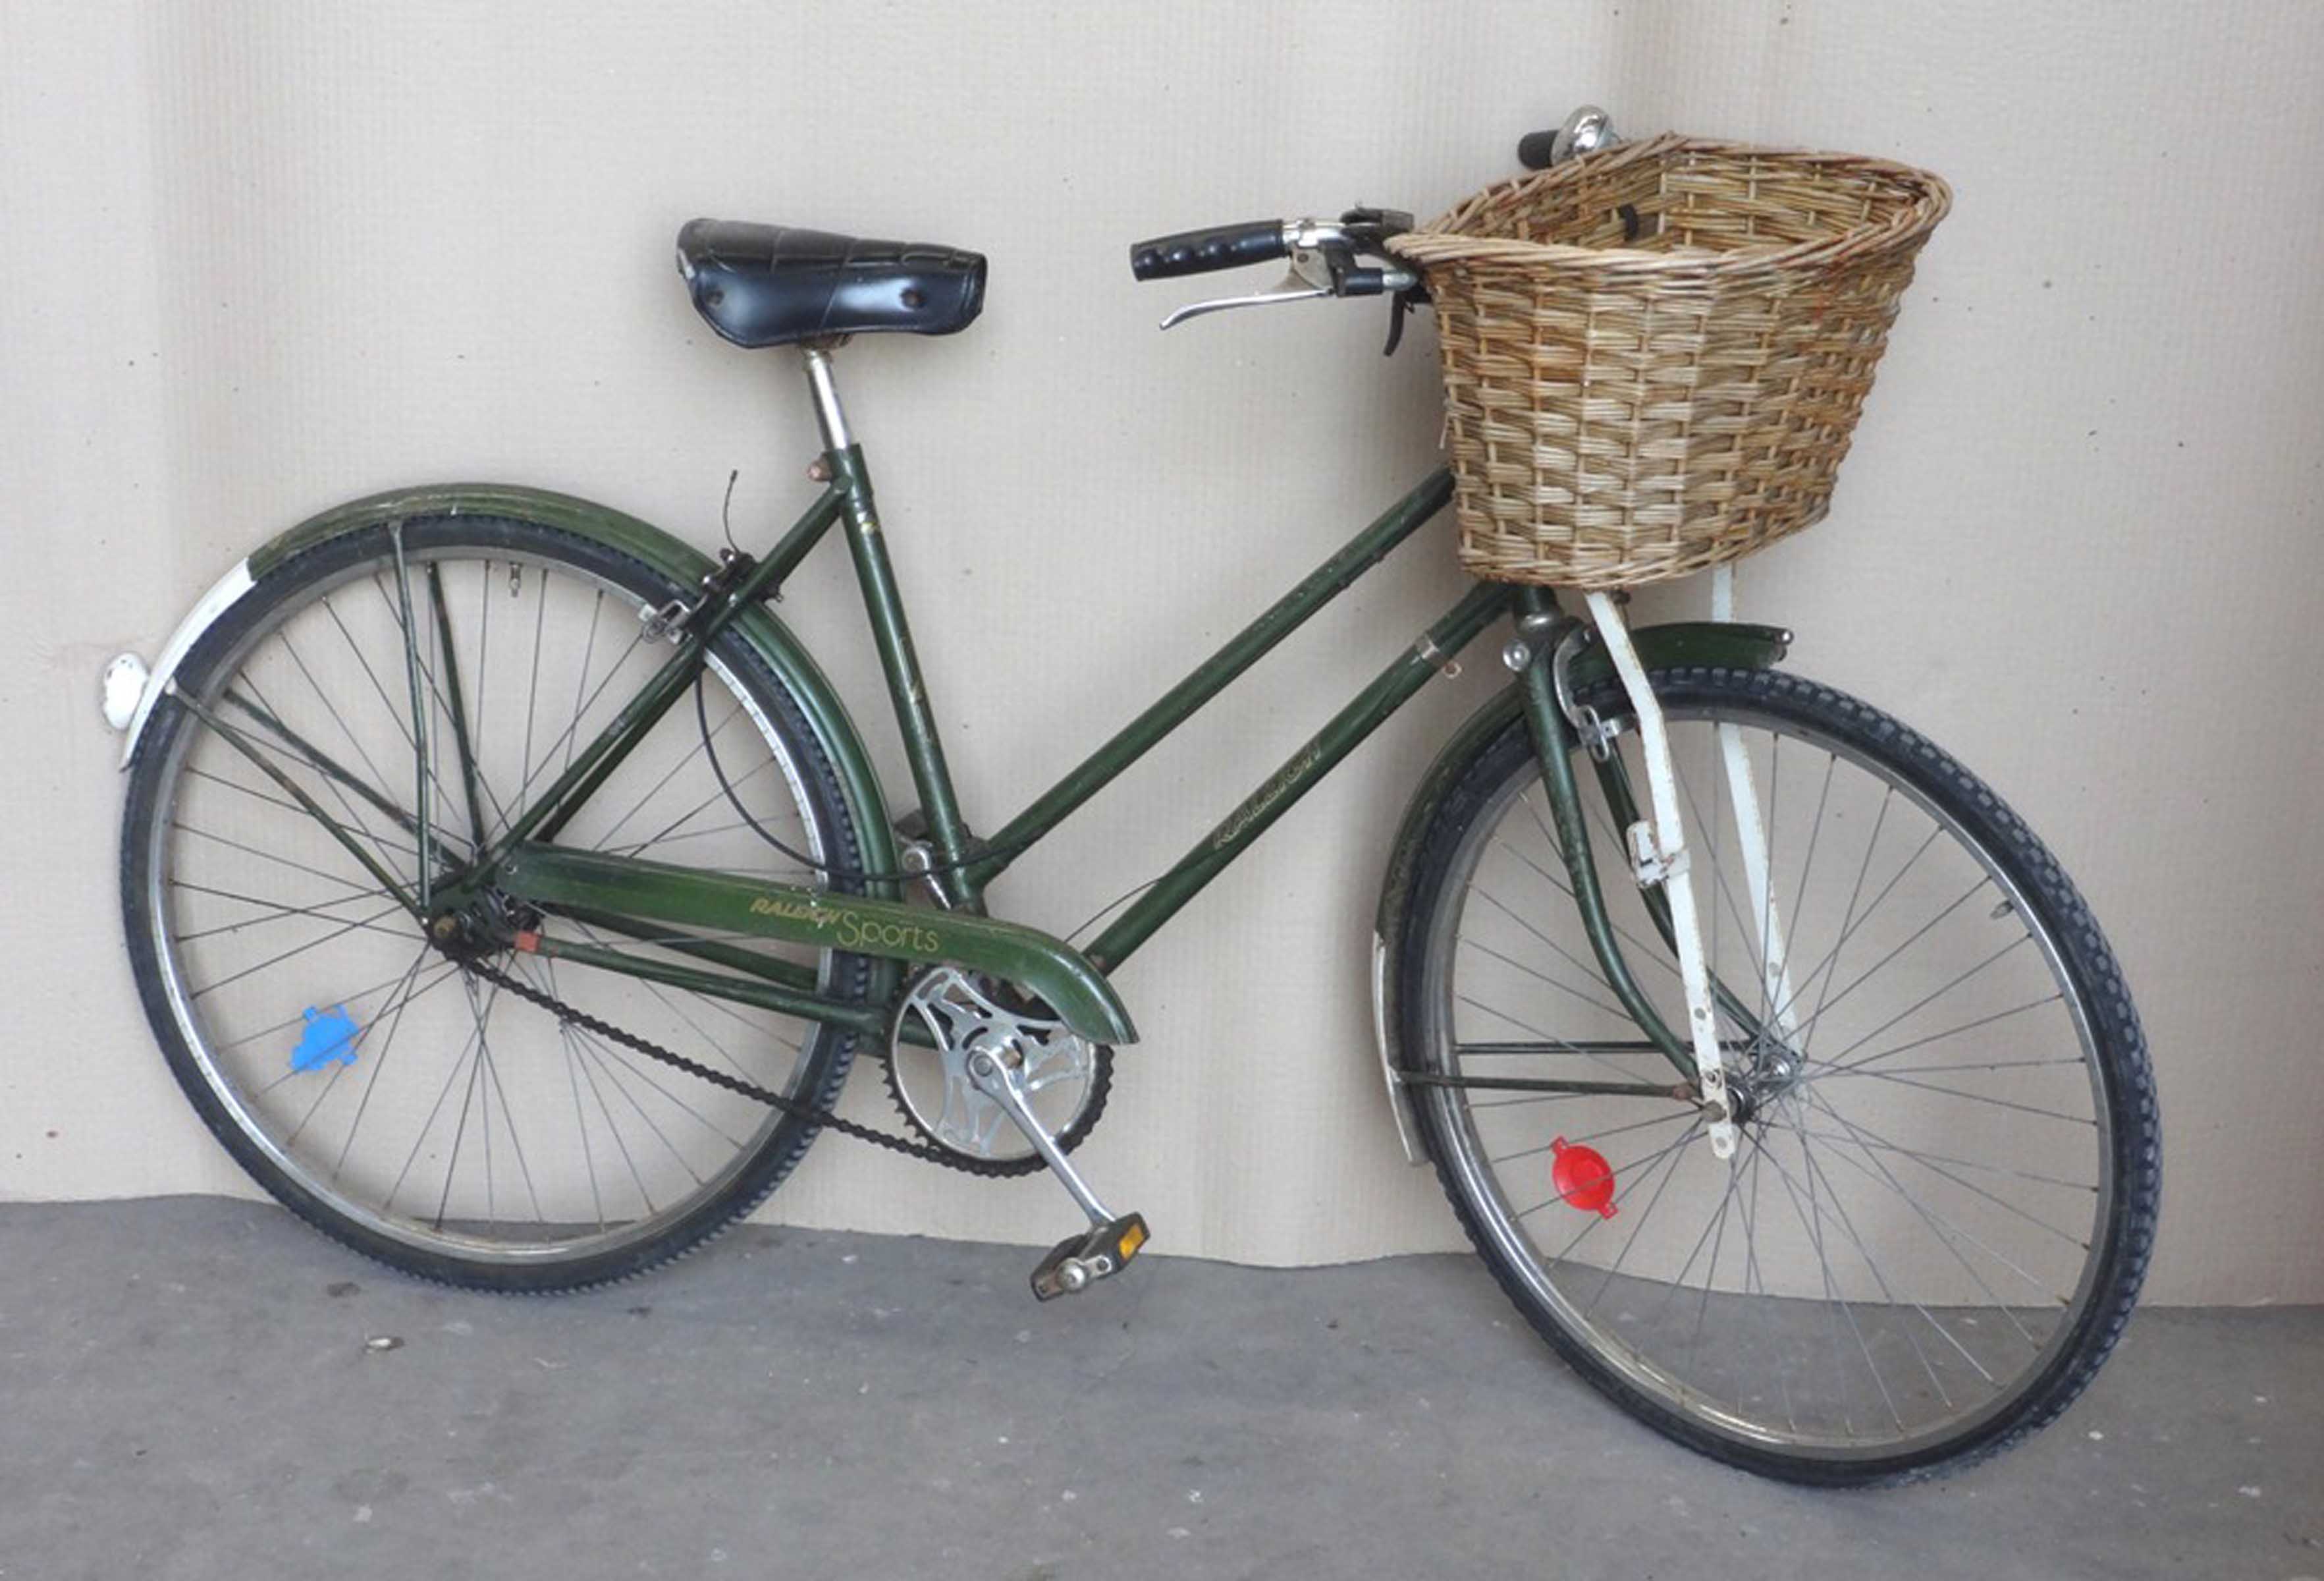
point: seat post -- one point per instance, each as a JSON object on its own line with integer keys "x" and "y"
{"x": 828, "y": 412}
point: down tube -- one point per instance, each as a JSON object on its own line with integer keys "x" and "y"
{"x": 1390, "y": 691}
{"x": 1245, "y": 648}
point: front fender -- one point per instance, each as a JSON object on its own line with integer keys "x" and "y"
{"x": 681, "y": 562}
{"x": 1688, "y": 642}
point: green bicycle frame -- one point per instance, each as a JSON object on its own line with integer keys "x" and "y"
{"x": 860, "y": 913}
{"x": 618, "y": 890}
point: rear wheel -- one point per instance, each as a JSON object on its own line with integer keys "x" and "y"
{"x": 1940, "y": 1208}
{"x": 412, "y": 1110}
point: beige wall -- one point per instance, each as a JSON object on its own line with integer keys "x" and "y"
{"x": 257, "y": 258}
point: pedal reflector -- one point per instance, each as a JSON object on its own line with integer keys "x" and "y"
{"x": 1079, "y": 1262}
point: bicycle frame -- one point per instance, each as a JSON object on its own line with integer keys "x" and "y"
{"x": 627, "y": 895}
{"x": 614, "y": 889}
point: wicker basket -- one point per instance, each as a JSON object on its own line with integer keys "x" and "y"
{"x": 1654, "y": 356}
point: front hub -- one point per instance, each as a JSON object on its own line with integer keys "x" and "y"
{"x": 1774, "y": 1072}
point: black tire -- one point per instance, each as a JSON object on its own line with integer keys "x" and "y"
{"x": 2126, "y": 1158}
{"x": 565, "y": 1254}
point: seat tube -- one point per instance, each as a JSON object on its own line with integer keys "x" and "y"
{"x": 891, "y": 632}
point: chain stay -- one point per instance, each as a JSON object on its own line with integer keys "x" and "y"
{"x": 575, "y": 1016}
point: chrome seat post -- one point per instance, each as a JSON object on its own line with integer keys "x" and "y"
{"x": 828, "y": 412}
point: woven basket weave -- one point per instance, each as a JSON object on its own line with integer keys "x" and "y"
{"x": 1654, "y": 356}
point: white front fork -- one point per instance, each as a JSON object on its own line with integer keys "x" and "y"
{"x": 1659, "y": 853}
{"x": 1751, "y": 834}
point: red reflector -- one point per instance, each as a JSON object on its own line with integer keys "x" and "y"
{"x": 1583, "y": 1177}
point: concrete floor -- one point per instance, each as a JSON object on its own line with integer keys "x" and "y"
{"x": 192, "y": 1388}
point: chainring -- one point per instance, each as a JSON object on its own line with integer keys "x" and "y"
{"x": 962, "y": 1012}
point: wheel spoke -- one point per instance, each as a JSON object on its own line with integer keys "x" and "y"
{"x": 1831, "y": 962}
{"x": 1807, "y": 1029}
{"x": 366, "y": 923}
{"x": 2002, "y": 1203}
{"x": 338, "y": 778}
{"x": 1947, "y": 1230}
{"x": 276, "y": 912}
{"x": 340, "y": 832}
{"x": 1652, "y": 952}
{"x": 1839, "y": 1068}
{"x": 697, "y": 752}
{"x": 379, "y": 1065}
{"x": 1538, "y": 976}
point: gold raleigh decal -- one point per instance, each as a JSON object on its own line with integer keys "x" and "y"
{"x": 850, "y": 929}
{"x": 1266, "y": 796}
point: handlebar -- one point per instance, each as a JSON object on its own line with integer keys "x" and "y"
{"x": 1360, "y": 232}
{"x": 1537, "y": 151}
{"x": 1324, "y": 253}
{"x": 1323, "y": 256}
{"x": 1212, "y": 247}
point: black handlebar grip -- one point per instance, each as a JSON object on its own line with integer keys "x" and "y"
{"x": 1199, "y": 252}
{"x": 1534, "y": 150}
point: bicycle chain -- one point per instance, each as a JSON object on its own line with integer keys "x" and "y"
{"x": 573, "y": 1015}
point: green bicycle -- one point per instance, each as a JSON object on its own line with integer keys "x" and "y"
{"x": 510, "y": 893}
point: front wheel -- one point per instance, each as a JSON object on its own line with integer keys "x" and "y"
{"x": 1941, "y": 1208}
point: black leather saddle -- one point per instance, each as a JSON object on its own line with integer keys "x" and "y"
{"x": 773, "y": 285}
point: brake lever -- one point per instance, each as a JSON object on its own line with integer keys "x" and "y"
{"x": 1293, "y": 290}
{"x": 1310, "y": 277}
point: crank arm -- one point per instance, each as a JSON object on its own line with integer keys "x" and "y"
{"x": 1099, "y": 1252}
{"x": 1004, "y": 1084}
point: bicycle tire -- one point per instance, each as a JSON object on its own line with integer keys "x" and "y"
{"x": 1657, "y": 1389}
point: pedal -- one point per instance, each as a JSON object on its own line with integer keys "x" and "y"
{"x": 1079, "y": 1262}
{"x": 1106, "y": 1247}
